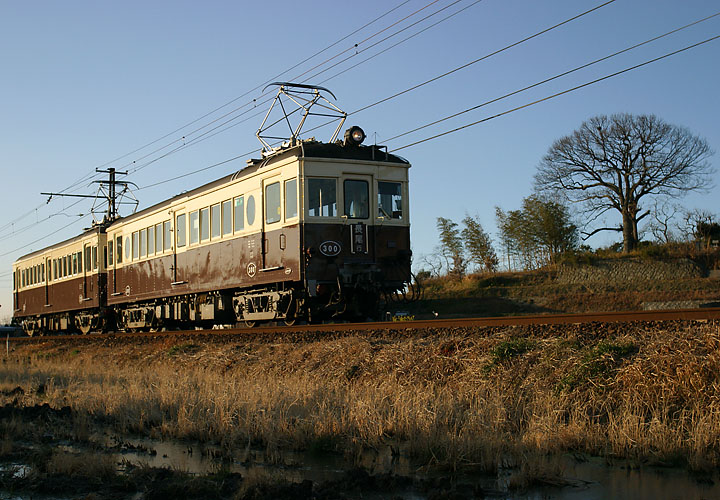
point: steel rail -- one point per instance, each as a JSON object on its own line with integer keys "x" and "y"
{"x": 700, "y": 314}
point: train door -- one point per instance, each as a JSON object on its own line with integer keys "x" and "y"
{"x": 357, "y": 194}
{"x": 84, "y": 269}
{"x": 272, "y": 237}
{"x": 47, "y": 272}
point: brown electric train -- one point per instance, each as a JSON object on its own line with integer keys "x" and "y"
{"x": 310, "y": 232}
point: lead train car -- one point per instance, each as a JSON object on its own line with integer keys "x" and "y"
{"x": 310, "y": 232}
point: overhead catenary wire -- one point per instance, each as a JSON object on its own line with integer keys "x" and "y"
{"x": 557, "y": 94}
{"x": 218, "y": 129}
{"x": 560, "y": 75}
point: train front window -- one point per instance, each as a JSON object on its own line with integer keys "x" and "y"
{"x": 390, "y": 200}
{"x": 272, "y": 203}
{"x": 322, "y": 198}
{"x": 357, "y": 199}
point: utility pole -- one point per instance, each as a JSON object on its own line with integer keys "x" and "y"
{"x": 108, "y": 188}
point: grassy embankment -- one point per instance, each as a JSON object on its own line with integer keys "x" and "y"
{"x": 483, "y": 398}
{"x": 540, "y": 291}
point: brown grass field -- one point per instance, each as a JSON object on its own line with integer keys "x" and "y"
{"x": 479, "y": 398}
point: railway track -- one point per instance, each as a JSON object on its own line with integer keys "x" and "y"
{"x": 702, "y": 314}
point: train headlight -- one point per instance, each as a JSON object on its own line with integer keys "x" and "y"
{"x": 354, "y": 136}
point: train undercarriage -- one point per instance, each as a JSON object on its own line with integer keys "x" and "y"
{"x": 281, "y": 303}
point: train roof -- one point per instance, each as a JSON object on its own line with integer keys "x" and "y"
{"x": 86, "y": 232}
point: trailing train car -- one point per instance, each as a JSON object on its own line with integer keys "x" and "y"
{"x": 62, "y": 287}
{"x": 311, "y": 231}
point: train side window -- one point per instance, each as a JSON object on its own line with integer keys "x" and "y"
{"x": 272, "y": 203}
{"x": 65, "y": 266}
{"x": 110, "y": 259}
{"x": 322, "y": 198}
{"x": 143, "y": 243}
{"x": 42, "y": 272}
{"x": 75, "y": 269}
{"x": 118, "y": 247}
{"x": 194, "y": 227}
{"x": 22, "y": 278}
{"x": 127, "y": 248}
{"x": 357, "y": 199}
{"x": 95, "y": 258}
{"x": 390, "y": 200}
{"x": 291, "y": 206}
{"x": 159, "y": 237}
{"x": 180, "y": 230}
{"x": 226, "y": 217}
{"x": 239, "y": 213}
{"x": 135, "y": 245}
{"x": 204, "y": 224}
{"x": 14, "y": 282}
{"x": 215, "y": 221}
{"x": 151, "y": 240}
{"x": 167, "y": 235}
{"x": 250, "y": 210}
{"x": 55, "y": 273}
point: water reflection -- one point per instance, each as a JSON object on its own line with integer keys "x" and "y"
{"x": 586, "y": 479}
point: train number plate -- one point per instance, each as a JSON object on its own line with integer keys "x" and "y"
{"x": 330, "y": 248}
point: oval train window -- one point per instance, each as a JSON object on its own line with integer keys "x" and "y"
{"x": 250, "y": 210}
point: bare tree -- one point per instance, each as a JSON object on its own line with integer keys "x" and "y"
{"x": 661, "y": 225}
{"x": 614, "y": 163}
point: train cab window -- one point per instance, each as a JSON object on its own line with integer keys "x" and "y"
{"x": 204, "y": 224}
{"x": 167, "y": 235}
{"x": 322, "y": 198}
{"x": 291, "y": 205}
{"x": 215, "y": 221}
{"x": 250, "y": 210}
{"x": 159, "y": 238}
{"x": 95, "y": 258}
{"x": 110, "y": 259}
{"x": 180, "y": 230}
{"x": 42, "y": 272}
{"x": 238, "y": 213}
{"x": 118, "y": 247}
{"x": 390, "y": 200}
{"x": 143, "y": 243}
{"x": 14, "y": 282}
{"x": 194, "y": 227}
{"x": 226, "y": 217}
{"x": 151, "y": 240}
{"x": 357, "y": 199}
{"x": 272, "y": 203}
{"x": 135, "y": 245}
{"x": 79, "y": 257}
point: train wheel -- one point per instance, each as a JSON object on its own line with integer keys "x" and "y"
{"x": 250, "y": 323}
{"x": 291, "y": 313}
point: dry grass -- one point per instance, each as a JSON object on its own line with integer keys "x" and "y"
{"x": 452, "y": 398}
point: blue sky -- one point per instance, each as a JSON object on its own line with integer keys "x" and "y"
{"x": 85, "y": 82}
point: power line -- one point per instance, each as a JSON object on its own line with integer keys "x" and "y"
{"x": 565, "y": 73}
{"x": 558, "y": 94}
{"x": 486, "y": 56}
